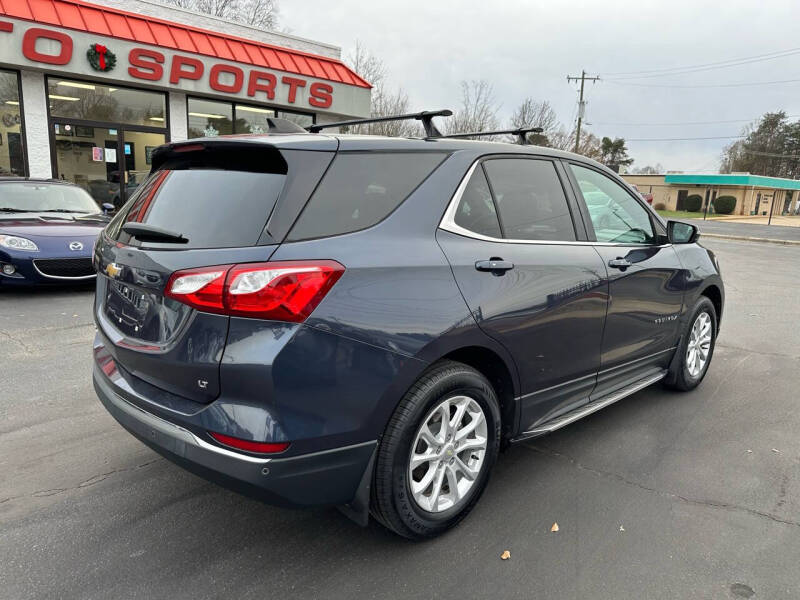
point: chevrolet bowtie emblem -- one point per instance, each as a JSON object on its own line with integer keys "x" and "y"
{"x": 112, "y": 270}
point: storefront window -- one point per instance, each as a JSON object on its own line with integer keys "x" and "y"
{"x": 95, "y": 102}
{"x": 300, "y": 119}
{"x": 12, "y": 161}
{"x": 209, "y": 119}
{"x": 252, "y": 119}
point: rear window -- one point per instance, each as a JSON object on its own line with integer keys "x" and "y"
{"x": 530, "y": 199}
{"x": 360, "y": 190}
{"x": 212, "y": 208}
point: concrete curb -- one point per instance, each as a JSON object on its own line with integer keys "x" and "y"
{"x": 744, "y": 238}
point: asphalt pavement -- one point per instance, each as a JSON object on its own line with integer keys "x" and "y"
{"x": 751, "y": 230}
{"x": 662, "y": 495}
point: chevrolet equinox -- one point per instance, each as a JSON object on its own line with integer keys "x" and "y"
{"x": 364, "y": 322}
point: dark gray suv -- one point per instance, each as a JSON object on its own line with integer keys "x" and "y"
{"x": 364, "y": 322}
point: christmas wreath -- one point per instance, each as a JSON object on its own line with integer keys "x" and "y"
{"x": 101, "y": 58}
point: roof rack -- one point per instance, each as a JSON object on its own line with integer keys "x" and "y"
{"x": 425, "y": 116}
{"x": 521, "y": 133}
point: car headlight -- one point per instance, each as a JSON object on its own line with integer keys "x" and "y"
{"x": 13, "y": 242}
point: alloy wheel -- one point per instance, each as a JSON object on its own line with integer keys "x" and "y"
{"x": 447, "y": 454}
{"x": 699, "y": 344}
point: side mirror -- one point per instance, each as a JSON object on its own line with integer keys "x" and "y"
{"x": 107, "y": 208}
{"x": 682, "y": 233}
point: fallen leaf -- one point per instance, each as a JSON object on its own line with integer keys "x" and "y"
{"x": 554, "y": 527}
{"x": 776, "y": 451}
{"x": 505, "y": 555}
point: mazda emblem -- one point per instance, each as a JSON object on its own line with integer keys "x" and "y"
{"x": 75, "y": 246}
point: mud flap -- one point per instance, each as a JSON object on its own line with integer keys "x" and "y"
{"x": 674, "y": 365}
{"x": 357, "y": 510}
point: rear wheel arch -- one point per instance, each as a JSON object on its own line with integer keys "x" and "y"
{"x": 472, "y": 348}
{"x": 713, "y": 293}
{"x": 492, "y": 366}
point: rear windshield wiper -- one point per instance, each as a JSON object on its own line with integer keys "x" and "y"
{"x": 12, "y": 210}
{"x": 151, "y": 233}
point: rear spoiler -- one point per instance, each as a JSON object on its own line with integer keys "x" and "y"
{"x": 211, "y": 148}
{"x": 225, "y": 154}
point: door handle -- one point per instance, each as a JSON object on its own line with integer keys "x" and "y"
{"x": 619, "y": 263}
{"x": 498, "y": 266}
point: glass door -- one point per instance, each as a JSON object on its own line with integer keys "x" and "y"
{"x": 108, "y": 162}
{"x": 137, "y": 153}
{"x": 89, "y": 157}
{"x": 103, "y": 135}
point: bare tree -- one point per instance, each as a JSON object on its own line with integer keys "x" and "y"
{"x": 262, "y": 14}
{"x": 366, "y": 64}
{"x": 478, "y": 110}
{"x": 385, "y": 101}
{"x": 649, "y": 170}
{"x": 532, "y": 113}
{"x": 590, "y": 145}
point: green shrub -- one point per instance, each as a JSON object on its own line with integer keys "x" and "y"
{"x": 693, "y": 203}
{"x": 660, "y": 206}
{"x": 724, "y": 205}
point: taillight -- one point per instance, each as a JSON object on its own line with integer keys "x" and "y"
{"x": 248, "y": 446}
{"x": 199, "y": 288}
{"x": 281, "y": 291}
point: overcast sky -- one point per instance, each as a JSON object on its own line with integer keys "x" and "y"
{"x": 527, "y": 48}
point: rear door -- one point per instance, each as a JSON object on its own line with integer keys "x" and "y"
{"x": 529, "y": 277}
{"x": 220, "y": 199}
{"x": 646, "y": 280}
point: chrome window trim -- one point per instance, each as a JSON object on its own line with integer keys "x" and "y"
{"x": 448, "y": 223}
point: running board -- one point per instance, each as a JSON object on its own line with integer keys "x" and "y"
{"x": 592, "y": 407}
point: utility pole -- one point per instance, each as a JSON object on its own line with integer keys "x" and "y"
{"x": 581, "y": 104}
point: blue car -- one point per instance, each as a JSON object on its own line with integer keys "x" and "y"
{"x": 47, "y": 232}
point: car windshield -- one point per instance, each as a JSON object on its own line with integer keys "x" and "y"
{"x": 28, "y": 196}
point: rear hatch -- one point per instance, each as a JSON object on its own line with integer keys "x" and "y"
{"x": 226, "y": 202}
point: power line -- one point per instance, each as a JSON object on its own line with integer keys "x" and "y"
{"x": 717, "y": 137}
{"x": 703, "y": 69}
{"x": 714, "y": 85}
{"x": 754, "y": 58}
{"x": 770, "y": 154}
{"x": 608, "y": 123}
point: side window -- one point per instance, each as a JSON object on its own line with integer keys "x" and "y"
{"x": 360, "y": 189}
{"x": 530, "y": 199}
{"x": 616, "y": 215}
{"x": 476, "y": 211}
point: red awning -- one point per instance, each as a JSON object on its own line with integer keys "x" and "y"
{"x": 102, "y": 20}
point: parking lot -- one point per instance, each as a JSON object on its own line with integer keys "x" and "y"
{"x": 662, "y": 495}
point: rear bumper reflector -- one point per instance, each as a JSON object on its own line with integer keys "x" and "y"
{"x": 248, "y": 446}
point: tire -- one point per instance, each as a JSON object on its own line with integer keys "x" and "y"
{"x": 446, "y": 387}
{"x": 682, "y": 375}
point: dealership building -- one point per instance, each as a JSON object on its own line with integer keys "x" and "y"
{"x": 87, "y": 91}
{"x": 754, "y": 194}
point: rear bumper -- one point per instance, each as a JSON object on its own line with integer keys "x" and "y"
{"x": 330, "y": 477}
